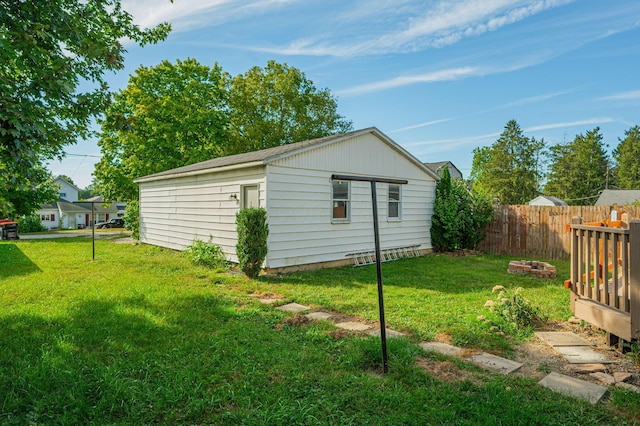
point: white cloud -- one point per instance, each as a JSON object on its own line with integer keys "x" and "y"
{"x": 624, "y": 96}
{"x": 590, "y": 121}
{"x": 442, "y": 75}
{"x": 417, "y": 126}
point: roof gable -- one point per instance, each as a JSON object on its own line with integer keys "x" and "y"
{"x": 269, "y": 155}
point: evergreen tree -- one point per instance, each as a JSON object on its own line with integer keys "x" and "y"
{"x": 510, "y": 168}
{"x": 578, "y": 170}
{"x": 627, "y": 159}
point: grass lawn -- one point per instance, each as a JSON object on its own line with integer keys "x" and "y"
{"x": 140, "y": 336}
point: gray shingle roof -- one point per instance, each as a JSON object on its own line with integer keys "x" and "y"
{"x": 618, "y": 197}
{"x": 263, "y": 156}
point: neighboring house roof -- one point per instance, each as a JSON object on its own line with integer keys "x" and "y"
{"x": 439, "y": 165}
{"x": 618, "y": 197}
{"x": 547, "y": 200}
{"x": 265, "y": 156}
{"x": 67, "y": 182}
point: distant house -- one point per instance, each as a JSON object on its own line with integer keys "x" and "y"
{"x": 438, "y": 168}
{"x": 547, "y": 200}
{"x": 68, "y": 213}
{"x": 314, "y": 218}
{"x": 619, "y": 197}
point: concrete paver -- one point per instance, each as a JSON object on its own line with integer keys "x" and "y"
{"x": 495, "y": 363}
{"x": 269, "y": 300}
{"x": 582, "y": 355}
{"x": 574, "y": 387}
{"x": 562, "y": 338}
{"x": 353, "y": 326}
{"x": 585, "y": 368}
{"x": 319, "y": 316}
{"x": 293, "y": 307}
{"x": 389, "y": 333}
{"x": 441, "y": 348}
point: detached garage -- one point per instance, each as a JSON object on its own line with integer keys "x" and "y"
{"x": 313, "y": 219}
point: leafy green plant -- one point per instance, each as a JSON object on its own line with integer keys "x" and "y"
{"x": 132, "y": 218}
{"x": 634, "y": 353}
{"x": 513, "y": 309}
{"x": 251, "y": 248}
{"x": 31, "y": 223}
{"x": 460, "y": 216}
{"x": 206, "y": 254}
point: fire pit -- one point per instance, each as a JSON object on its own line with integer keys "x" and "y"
{"x": 541, "y": 269}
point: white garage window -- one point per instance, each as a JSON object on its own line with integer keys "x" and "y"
{"x": 394, "y": 200}
{"x": 340, "y": 194}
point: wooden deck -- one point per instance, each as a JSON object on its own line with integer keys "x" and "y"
{"x": 605, "y": 277}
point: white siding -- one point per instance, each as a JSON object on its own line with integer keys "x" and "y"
{"x": 299, "y": 203}
{"x": 174, "y": 212}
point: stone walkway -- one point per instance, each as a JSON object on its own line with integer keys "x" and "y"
{"x": 578, "y": 352}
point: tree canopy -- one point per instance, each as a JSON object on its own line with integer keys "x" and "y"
{"x": 173, "y": 115}
{"x": 53, "y": 56}
{"x": 278, "y": 105}
{"x": 168, "y": 116}
{"x": 627, "y": 159}
{"x": 510, "y": 169}
{"x": 578, "y": 170}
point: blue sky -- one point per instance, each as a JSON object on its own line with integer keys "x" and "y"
{"x": 438, "y": 77}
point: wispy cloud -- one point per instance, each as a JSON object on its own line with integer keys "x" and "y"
{"x": 417, "y": 126}
{"x": 193, "y": 14}
{"x": 442, "y": 75}
{"x": 623, "y": 96}
{"x": 590, "y": 121}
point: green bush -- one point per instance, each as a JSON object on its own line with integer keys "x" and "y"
{"x": 252, "y": 228}
{"x": 132, "y": 218}
{"x": 514, "y": 310}
{"x": 206, "y": 254}
{"x": 460, "y": 216}
{"x": 31, "y": 224}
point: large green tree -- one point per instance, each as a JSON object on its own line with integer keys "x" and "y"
{"x": 627, "y": 159}
{"x": 53, "y": 55}
{"x": 510, "y": 168}
{"x": 578, "y": 170}
{"x": 168, "y": 116}
{"x": 277, "y": 105}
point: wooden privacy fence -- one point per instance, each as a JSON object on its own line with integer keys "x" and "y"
{"x": 605, "y": 276}
{"x": 541, "y": 232}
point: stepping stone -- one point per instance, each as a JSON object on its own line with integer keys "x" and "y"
{"x": 628, "y": 386}
{"x": 441, "y": 348}
{"x": 353, "y": 326}
{"x": 562, "y": 338}
{"x": 574, "y": 387}
{"x": 269, "y": 301}
{"x": 585, "y": 368}
{"x": 581, "y": 355}
{"x": 622, "y": 376}
{"x": 319, "y": 316}
{"x": 293, "y": 307}
{"x": 495, "y": 363}
{"x": 389, "y": 333}
{"x": 605, "y": 378}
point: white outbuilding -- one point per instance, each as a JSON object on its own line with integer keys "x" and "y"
{"x": 314, "y": 220}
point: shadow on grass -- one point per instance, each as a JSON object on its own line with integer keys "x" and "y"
{"x": 14, "y": 262}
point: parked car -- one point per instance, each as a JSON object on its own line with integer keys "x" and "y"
{"x": 116, "y": 222}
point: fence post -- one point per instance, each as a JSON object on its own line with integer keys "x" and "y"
{"x": 575, "y": 259}
{"x": 634, "y": 277}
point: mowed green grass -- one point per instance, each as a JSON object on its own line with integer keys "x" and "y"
{"x": 140, "y": 336}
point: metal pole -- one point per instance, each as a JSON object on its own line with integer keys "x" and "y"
{"x": 93, "y": 234}
{"x": 376, "y": 234}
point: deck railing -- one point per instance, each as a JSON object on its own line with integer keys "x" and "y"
{"x": 605, "y": 276}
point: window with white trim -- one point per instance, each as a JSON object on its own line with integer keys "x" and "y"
{"x": 340, "y": 194}
{"x": 394, "y": 202}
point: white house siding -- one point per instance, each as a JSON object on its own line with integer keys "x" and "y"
{"x": 299, "y": 203}
{"x": 175, "y": 212}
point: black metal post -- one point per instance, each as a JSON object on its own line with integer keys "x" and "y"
{"x": 93, "y": 234}
{"x": 376, "y": 233}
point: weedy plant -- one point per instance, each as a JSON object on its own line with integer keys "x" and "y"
{"x": 207, "y": 254}
{"x": 514, "y": 310}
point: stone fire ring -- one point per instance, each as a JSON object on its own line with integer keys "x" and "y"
{"x": 541, "y": 269}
